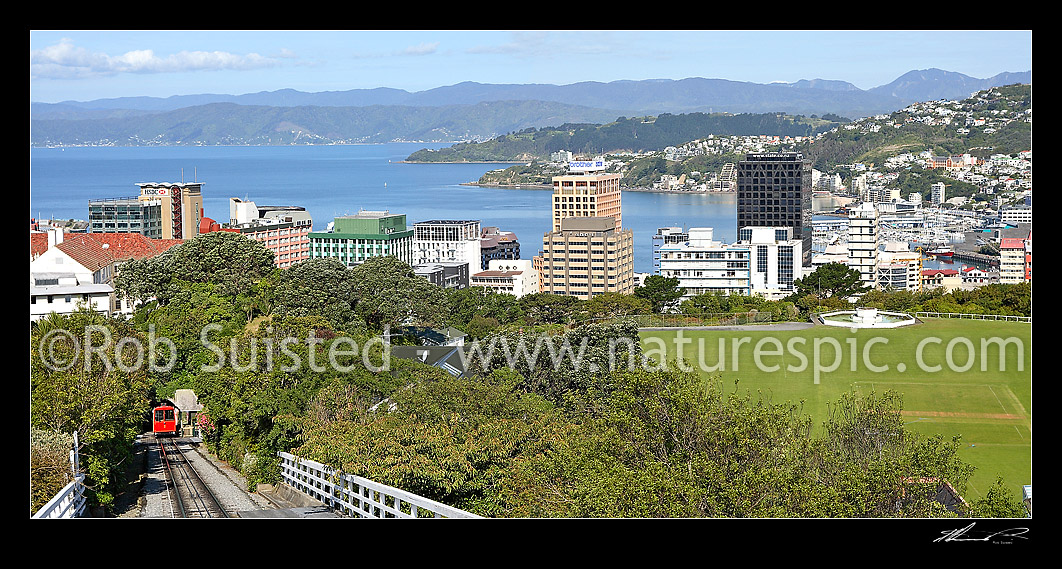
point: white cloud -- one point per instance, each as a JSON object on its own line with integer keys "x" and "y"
{"x": 421, "y": 49}
{"x": 67, "y": 61}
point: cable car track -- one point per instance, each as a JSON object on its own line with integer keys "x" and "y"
{"x": 191, "y": 495}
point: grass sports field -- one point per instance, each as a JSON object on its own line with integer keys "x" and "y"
{"x": 967, "y": 377}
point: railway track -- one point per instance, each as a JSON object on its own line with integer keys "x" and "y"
{"x": 190, "y": 496}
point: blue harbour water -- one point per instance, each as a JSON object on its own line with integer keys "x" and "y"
{"x": 330, "y": 181}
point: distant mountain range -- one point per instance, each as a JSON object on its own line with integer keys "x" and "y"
{"x": 471, "y": 110}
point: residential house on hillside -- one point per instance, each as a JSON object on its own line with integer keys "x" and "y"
{"x": 68, "y": 269}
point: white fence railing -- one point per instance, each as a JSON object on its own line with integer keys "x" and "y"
{"x": 689, "y": 319}
{"x": 70, "y": 502}
{"x": 356, "y": 496}
{"x": 973, "y": 316}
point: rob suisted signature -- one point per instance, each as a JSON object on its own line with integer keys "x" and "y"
{"x": 964, "y": 534}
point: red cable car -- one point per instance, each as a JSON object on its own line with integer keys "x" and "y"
{"x": 165, "y": 420}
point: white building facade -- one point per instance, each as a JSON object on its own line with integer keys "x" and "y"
{"x": 863, "y": 227}
{"x": 703, "y": 265}
{"x": 447, "y": 241}
{"x": 1015, "y": 260}
{"x": 516, "y": 277}
{"x": 898, "y": 268}
{"x": 58, "y": 283}
{"x": 937, "y": 194}
{"x": 774, "y": 259}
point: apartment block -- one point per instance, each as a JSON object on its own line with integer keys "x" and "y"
{"x": 863, "y": 231}
{"x": 284, "y": 230}
{"x": 666, "y": 236}
{"x": 898, "y": 268}
{"x": 515, "y": 277}
{"x": 497, "y": 245}
{"x": 1015, "y": 260}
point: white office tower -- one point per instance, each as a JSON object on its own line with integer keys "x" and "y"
{"x": 447, "y": 241}
{"x": 772, "y": 253}
{"x": 863, "y": 242}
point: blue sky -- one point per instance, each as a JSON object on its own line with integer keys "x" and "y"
{"x": 87, "y": 64}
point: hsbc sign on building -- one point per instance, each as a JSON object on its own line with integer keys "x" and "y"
{"x": 154, "y": 191}
{"x": 182, "y": 206}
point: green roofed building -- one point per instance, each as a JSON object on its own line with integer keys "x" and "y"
{"x": 354, "y": 238}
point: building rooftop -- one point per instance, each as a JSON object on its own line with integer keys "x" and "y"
{"x": 483, "y": 274}
{"x": 365, "y": 214}
{"x": 71, "y": 289}
{"x": 588, "y": 223}
{"x": 94, "y": 250}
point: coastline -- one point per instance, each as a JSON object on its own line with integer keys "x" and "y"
{"x": 549, "y": 187}
{"x": 461, "y": 162}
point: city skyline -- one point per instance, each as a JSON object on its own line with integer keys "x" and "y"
{"x": 83, "y": 65}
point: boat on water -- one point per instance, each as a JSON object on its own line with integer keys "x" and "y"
{"x": 940, "y": 251}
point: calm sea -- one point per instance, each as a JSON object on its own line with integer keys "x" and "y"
{"x": 330, "y": 181}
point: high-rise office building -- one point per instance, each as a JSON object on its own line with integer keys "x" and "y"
{"x": 587, "y": 257}
{"x": 126, "y": 215}
{"x": 773, "y": 259}
{"x": 588, "y": 252}
{"x": 774, "y": 190}
{"x": 166, "y": 210}
{"x": 586, "y": 191}
{"x": 182, "y": 206}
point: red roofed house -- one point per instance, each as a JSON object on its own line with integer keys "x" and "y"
{"x": 974, "y": 275}
{"x": 68, "y": 269}
{"x": 947, "y": 278}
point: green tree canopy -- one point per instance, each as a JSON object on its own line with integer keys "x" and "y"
{"x": 832, "y": 280}
{"x": 662, "y": 292}
{"x": 89, "y": 374}
{"x": 230, "y": 261}
{"x": 323, "y": 287}
{"x": 389, "y": 293}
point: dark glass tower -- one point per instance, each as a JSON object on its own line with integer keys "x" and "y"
{"x": 774, "y": 190}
